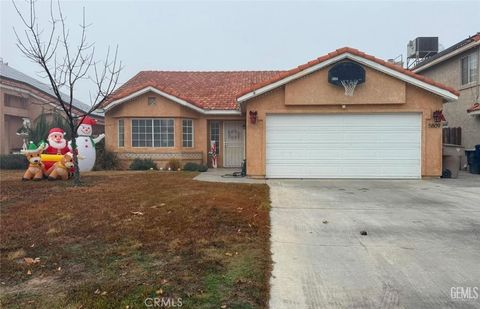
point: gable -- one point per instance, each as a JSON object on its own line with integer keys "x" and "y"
{"x": 395, "y": 71}
{"x": 314, "y": 89}
{"x": 163, "y": 107}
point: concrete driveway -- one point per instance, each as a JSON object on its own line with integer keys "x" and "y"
{"x": 423, "y": 239}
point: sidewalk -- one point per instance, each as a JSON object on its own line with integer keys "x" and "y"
{"x": 225, "y": 175}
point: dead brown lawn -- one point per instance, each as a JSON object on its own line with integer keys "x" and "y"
{"x": 121, "y": 238}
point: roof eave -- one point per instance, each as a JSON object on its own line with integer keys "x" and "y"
{"x": 446, "y": 56}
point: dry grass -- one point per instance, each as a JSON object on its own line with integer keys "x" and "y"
{"x": 123, "y": 237}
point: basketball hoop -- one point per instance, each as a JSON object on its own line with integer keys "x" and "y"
{"x": 347, "y": 74}
{"x": 349, "y": 86}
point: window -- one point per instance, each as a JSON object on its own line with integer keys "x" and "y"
{"x": 15, "y": 101}
{"x": 153, "y": 132}
{"x": 215, "y": 134}
{"x": 121, "y": 133}
{"x": 187, "y": 125}
{"x": 469, "y": 69}
{"x": 163, "y": 132}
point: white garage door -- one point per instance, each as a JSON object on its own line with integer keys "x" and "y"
{"x": 343, "y": 146}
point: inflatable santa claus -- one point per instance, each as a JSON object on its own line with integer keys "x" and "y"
{"x": 57, "y": 145}
{"x": 86, "y": 144}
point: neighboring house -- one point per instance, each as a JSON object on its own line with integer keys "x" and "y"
{"x": 286, "y": 124}
{"x": 22, "y": 96}
{"x": 458, "y": 67}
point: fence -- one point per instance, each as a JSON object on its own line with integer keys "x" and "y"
{"x": 452, "y": 136}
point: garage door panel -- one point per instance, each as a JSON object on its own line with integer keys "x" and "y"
{"x": 352, "y": 152}
{"x": 343, "y": 146}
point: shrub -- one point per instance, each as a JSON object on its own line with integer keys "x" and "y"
{"x": 173, "y": 164}
{"x": 13, "y": 162}
{"x": 143, "y": 165}
{"x": 192, "y": 167}
{"x": 106, "y": 160}
{"x": 203, "y": 168}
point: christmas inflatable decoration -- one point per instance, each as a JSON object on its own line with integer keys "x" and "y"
{"x": 57, "y": 146}
{"x": 35, "y": 166}
{"x": 213, "y": 153}
{"x": 86, "y": 144}
{"x": 60, "y": 170}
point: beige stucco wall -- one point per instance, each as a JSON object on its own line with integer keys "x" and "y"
{"x": 415, "y": 100}
{"x": 163, "y": 108}
{"x": 11, "y": 117}
{"x": 449, "y": 73}
{"x": 372, "y": 91}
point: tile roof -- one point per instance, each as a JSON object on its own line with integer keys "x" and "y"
{"x": 220, "y": 90}
{"x": 207, "y": 90}
{"x": 474, "y": 108}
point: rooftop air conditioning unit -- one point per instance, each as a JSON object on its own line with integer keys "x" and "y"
{"x": 422, "y": 47}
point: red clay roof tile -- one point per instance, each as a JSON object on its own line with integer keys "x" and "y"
{"x": 220, "y": 90}
{"x": 207, "y": 90}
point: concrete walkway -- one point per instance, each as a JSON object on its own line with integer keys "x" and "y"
{"x": 423, "y": 240}
{"x": 224, "y": 175}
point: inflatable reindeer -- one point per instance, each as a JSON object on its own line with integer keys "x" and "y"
{"x": 61, "y": 168}
{"x": 35, "y": 165}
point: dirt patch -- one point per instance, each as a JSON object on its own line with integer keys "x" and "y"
{"x": 123, "y": 237}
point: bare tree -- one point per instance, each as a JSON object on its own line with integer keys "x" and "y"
{"x": 65, "y": 63}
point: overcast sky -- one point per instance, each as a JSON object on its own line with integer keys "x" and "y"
{"x": 156, "y": 35}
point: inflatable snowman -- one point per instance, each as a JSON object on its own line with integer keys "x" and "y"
{"x": 86, "y": 144}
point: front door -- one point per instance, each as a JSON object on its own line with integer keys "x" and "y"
{"x": 233, "y": 143}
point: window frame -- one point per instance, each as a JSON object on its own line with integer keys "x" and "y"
{"x": 122, "y": 134}
{"x": 153, "y": 133}
{"x": 192, "y": 133}
{"x": 471, "y": 75}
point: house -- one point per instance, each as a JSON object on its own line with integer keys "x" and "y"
{"x": 286, "y": 124}
{"x": 458, "y": 67}
{"x": 22, "y": 96}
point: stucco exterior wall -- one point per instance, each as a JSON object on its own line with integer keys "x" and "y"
{"x": 372, "y": 91}
{"x": 448, "y": 72}
{"x": 23, "y": 106}
{"x": 163, "y": 108}
{"x": 416, "y": 101}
